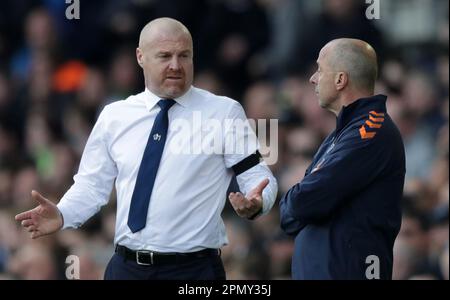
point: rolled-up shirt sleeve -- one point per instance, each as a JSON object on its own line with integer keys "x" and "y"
{"x": 249, "y": 179}
{"x": 240, "y": 143}
{"x": 93, "y": 181}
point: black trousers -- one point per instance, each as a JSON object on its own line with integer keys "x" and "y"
{"x": 204, "y": 268}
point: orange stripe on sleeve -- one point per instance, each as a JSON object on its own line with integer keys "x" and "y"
{"x": 376, "y": 119}
{"x": 376, "y": 114}
{"x": 364, "y": 134}
{"x": 373, "y": 125}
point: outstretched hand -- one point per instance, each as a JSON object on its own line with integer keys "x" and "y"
{"x": 251, "y": 204}
{"x": 41, "y": 220}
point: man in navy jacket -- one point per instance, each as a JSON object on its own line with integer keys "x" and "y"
{"x": 345, "y": 213}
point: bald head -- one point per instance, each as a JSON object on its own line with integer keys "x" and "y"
{"x": 163, "y": 28}
{"x": 355, "y": 57}
{"x": 166, "y": 56}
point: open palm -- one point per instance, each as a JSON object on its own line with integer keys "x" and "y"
{"x": 251, "y": 204}
{"x": 41, "y": 220}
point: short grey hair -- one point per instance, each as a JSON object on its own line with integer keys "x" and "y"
{"x": 358, "y": 59}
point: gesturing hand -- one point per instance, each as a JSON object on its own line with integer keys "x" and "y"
{"x": 43, "y": 219}
{"x": 248, "y": 206}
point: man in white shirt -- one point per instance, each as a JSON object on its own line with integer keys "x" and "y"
{"x": 170, "y": 182}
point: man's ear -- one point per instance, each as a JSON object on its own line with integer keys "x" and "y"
{"x": 341, "y": 80}
{"x": 140, "y": 57}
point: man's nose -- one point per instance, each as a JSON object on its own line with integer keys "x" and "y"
{"x": 174, "y": 63}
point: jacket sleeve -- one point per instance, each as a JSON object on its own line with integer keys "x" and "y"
{"x": 346, "y": 170}
{"x": 289, "y": 224}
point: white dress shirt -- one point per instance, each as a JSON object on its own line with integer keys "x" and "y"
{"x": 189, "y": 193}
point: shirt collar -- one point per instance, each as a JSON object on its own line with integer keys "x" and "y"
{"x": 151, "y": 99}
{"x": 360, "y": 107}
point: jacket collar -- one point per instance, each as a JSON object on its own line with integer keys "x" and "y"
{"x": 360, "y": 107}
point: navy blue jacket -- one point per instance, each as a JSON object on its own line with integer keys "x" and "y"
{"x": 347, "y": 207}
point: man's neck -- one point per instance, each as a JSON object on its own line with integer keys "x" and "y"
{"x": 348, "y": 97}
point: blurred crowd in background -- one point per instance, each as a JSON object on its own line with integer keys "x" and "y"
{"x": 56, "y": 75}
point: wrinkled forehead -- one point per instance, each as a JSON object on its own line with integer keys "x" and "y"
{"x": 170, "y": 37}
{"x": 171, "y": 44}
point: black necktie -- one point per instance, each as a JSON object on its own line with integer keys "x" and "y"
{"x": 148, "y": 169}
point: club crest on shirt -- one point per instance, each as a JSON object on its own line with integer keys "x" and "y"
{"x": 156, "y": 137}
